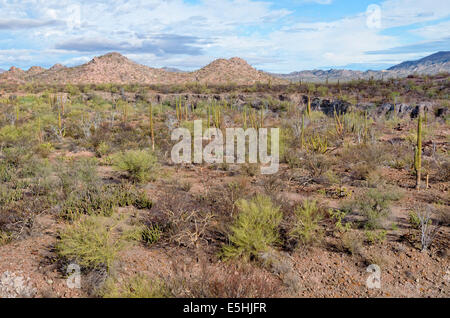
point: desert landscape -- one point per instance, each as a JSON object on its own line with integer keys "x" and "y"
{"x": 92, "y": 204}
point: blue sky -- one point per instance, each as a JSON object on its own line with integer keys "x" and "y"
{"x": 276, "y": 36}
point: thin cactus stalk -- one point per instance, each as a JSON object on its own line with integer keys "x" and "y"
{"x": 366, "y": 126}
{"x": 309, "y": 106}
{"x": 245, "y": 118}
{"x": 302, "y": 133}
{"x": 39, "y": 130}
{"x": 261, "y": 117}
{"x": 59, "y": 119}
{"x": 17, "y": 112}
{"x": 152, "y": 133}
{"x": 208, "y": 113}
{"x": 418, "y": 152}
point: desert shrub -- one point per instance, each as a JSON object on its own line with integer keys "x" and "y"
{"x": 142, "y": 233}
{"x": 223, "y": 198}
{"x": 364, "y": 158}
{"x": 374, "y": 237}
{"x": 7, "y": 172}
{"x": 374, "y": 205}
{"x": 250, "y": 169}
{"x": 9, "y": 195}
{"x": 317, "y": 165}
{"x": 352, "y": 243}
{"x": 443, "y": 213}
{"x": 151, "y": 234}
{"x": 139, "y": 286}
{"x": 255, "y": 228}
{"x": 307, "y": 222}
{"x": 90, "y": 242}
{"x": 102, "y": 149}
{"x": 102, "y": 200}
{"x": 5, "y": 238}
{"x": 138, "y": 164}
{"x": 79, "y": 174}
{"x": 87, "y": 201}
{"x": 414, "y": 220}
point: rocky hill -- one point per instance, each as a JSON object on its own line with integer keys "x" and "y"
{"x": 234, "y": 70}
{"x": 116, "y": 68}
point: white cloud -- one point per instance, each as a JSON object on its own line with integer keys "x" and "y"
{"x": 180, "y": 34}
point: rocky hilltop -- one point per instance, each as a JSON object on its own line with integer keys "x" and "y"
{"x": 116, "y": 68}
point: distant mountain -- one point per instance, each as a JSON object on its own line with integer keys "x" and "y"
{"x": 116, "y": 68}
{"x": 2, "y": 70}
{"x": 172, "y": 69}
{"x": 433, "y": 64}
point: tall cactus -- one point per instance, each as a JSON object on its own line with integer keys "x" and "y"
{"x": 418, "y": 152}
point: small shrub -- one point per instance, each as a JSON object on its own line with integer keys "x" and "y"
{"x": 102, "y": 149}
{"x": 151, "y": 234}
{"x": 374, "y": 237}
{"x": 307, "y": 218}
{"x": 88, "y": 242}
{"x": 5, "y": 238}
{"x": 414, "y": 220}
{"x": 352, "y": 243}
{"x": 374, "y": 206}
{"x": 255, "y": 228}
{"x": 139, "y": 164}
{"x": 44, "y": 149}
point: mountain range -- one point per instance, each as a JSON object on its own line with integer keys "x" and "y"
{"x": 433, "y": 64}
{"x": 116, "y": 68}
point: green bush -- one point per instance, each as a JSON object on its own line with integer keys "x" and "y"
{"x": 414, "y": 220}
{"x": 375, "y": 236}
{"x": 307, "y": 218}
{"x": 374, "y": 206}
{"x": 102, "y": 200}
{"x": 89, "y": 242}
{"x": 139, "y": 164}
{"x": 255, "y": 228}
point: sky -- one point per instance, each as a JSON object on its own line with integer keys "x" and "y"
{"x": 272, "y": 35}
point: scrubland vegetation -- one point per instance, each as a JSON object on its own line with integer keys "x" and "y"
{"x": 359, "y": 185}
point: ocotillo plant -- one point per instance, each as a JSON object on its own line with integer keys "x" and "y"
{"x": 151, "y": 126}
{"x": 418, "y": 152}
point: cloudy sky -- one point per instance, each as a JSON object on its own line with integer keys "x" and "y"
{"x": 272, "y": 35}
